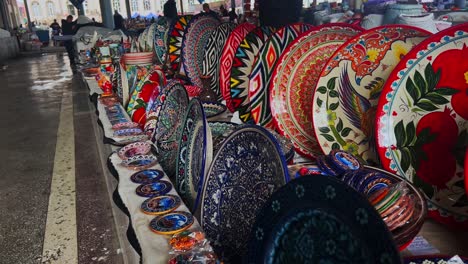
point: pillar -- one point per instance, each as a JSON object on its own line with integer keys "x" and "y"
{"x": 129, "y": 11}
{"x": 106, "y": 13}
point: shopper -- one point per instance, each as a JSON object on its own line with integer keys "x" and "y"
{"x": 118, "y": 20}
{"x": 223, "y": 11}
{"x": 68, "y": 29}
{"x": 232, "y": 15}
{"x": 55, "y": 30}
{"x": 170, "y": 10}
{"x": 207, "y": 10}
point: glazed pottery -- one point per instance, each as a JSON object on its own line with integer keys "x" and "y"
{"x": 422, "y": 123}
{"x": 174, "y": 42}
{"x": 160, "y": 205}
{"x": 140, "y": 162}
{"x": 213, "y": 109}
{"x": 349, "y": 87}
{"x": 393, "y": 11}
{"x": 436, "y": 259}
{"x": 424, "y": 21}
{"x": 134, "y": 149}
{"x": 128, "y": 132}
{"x": 160, "y": 37}
{"x": 154, "y": 189}
{"x": 146, "y": 176}
{"x": 171, "y": 223}
{"x": 124, "y": 125}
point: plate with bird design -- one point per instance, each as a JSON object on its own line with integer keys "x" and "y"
{"x": 349, "y": 87}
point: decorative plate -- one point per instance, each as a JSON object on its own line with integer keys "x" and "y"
{"x": 146, "y": 176}
{"x": 293, "y": 83}
{"x": 262, "y": 70}
{"x": 176, "y": 35}
{"x": 285, "y": 143}
{"x": 142, "y": 40}
{"x": 194, "y": 155}
{"x": 212, "y": 54}
{"x": 319, "y": 219}
{"x": 132, "y": 139}
{"x": 169, "y": 126}
{"x": 192, "y": 90}
{"x": 213, "y": 109}
{"x": 160, "y": 44}
{"x": 349, "y": 87}
{"x": 160, "y": 205}
{"x": 227, "y": 58}
{"x": 171, "y": 223}
{"x": 130, "y": 78}
{"x": 125, "y": 125}
{"x": 154, "y": 189}
{"x": 246, "y": 170}
{"x": 422, "y": 128}
{"x": 432, "y": 260}
{"x": 150, "y": 37}
{"x": 241, "y": 68}
{"x": 128, "y": 132}
{"x": 196, "y": 36}
{"x": 304, "y": 169}
{"x": 219, "y": 132}
{"x": 140, "y": 162}
{"x": 134, "y": 149}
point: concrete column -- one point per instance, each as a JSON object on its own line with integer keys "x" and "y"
{"x": 106, "y": 13}
{"x": 28, "y": 16}
{"x": 129, "y": 11}
{"x": 4, "y": 15}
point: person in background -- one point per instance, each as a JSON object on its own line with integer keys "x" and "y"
{"x": 68, "y": 28}
{"x": 170, "y": 10}
{"x": 207, "y": 10}
{"x": 55, "y": 30}
{"x": 118, "y": 20}
{"x": 232, "y": 15}
{"x": 223, "y": 11}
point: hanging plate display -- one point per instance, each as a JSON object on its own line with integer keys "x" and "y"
{"x": 262, "y": 70}
{"x": 196, "y": 36}
{"x": 160, "y": 44}
{"x": 294, "y": 79}
{"x": 160, "y": 205}
{"x": 169, "y": 126}
{"x": 422, "y": 128}
{"x": 242, "y": 66}
{"x": 319, "y": 219}
{"x": 245, "y": 171}
{"x": 227, "y": 58}
{"x": 349, "y": 87}
{"x": 194, "y": 154}
{"x": 154, "y": 189}
{"x": 171, "y": 223}
{"x": 146, "y": 176}
{"x": 212, "y": 54}
{"x": 175, "y": 37}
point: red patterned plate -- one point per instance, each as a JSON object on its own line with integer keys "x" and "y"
{"x": 421, "y": 122}
{"x": 294, "y": 79}
{"x": 174, "y": 42}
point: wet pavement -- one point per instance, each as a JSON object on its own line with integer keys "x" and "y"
{"x": 49, "y": 212}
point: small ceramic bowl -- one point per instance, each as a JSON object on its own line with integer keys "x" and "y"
{"x": 134, "y": 149}
{"x": 140, "y": 162}
{"x": 126, "y": 132}
{"x": 213, "y": 109}
{"x": 124, "y": 125}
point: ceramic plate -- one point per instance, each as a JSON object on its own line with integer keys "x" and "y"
{"x": 294, "y": 79}
{"x": 213, "y": 109}
{"x": 194, "y": 155}
{"x": 262, "y": 69}
{"x": 150, "y": 37}
{"x": 154, "y": 189}
{"x": 140, "y": 162}
{"x": 219, "y": 132}
{"x": 349, "y": 87}
{"x": 142, "y": 40}
{"x": 319, "y": 219}
{"x": 176, "y": 35}
{"x": 196, "y": 36}
{"x": 212, "y": 54}
{"x": 160, "y": 205}
{"x": 432, "y": 260}
{"x": 227, "y": 57}
{"x": 160, "y": 44}
{"x": 241, "y": 68}
{"x": 171, "y": 223}
{"x": 422, "y": 128}
{"x": 304, "y": 169}
{"x": 244, "y": 173}
{"x": 126, "y": 132}
{"x": 134, "y": 149}
{"x": 169, "y": 126}
{"x": 125, "y": 125}
{"x": 132, "y": 139}
{"x": 146, "y": 176}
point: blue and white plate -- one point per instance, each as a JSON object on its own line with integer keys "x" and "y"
{"x": 171, "y": 223}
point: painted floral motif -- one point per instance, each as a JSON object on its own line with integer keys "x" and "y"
{"x": 330, "y": 192}
{"x": 160, "y": 40}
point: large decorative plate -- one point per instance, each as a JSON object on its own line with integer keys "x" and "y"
{"x": 319, "y": 219}
{"x": 293, "y": 82}
{"x": 169, "y": 126}
{"x": 246, "y": 170}
{"x": 349, "y": 87}
{"x": 227, "y": 58}
{"x": 242, "y": 66}
{"x": 194, "y": 154}
{"x": 171, "y": 223}
{"x": 196, "y": 36}
{"x": 160, "y": 44}
{"x": 145, "y": 88}
{"x": 262, "y": 69}
{"x": 174, "y": 43}
{"x": 212, "y": 54}
{"x": 422, "y": 128}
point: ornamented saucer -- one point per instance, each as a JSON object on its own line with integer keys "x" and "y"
{"x": 125, "y": 125}
{"x": 131, "y": 139}
{"x": 146, "y": 176}
{"x": 213, "y": 109}
{"x": 436, "y": 259}
{"x": 160, "y": 205}
{"x": 134, "y": 149}
{"x": 154, "y": 189}
{"x": 128, "y": 132}
{"x": 172, "y": 223}
{"x": 304, "y": 169}
{"x": 140, "y": 162}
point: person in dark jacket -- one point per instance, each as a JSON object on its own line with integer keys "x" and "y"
{"x": 118, "y": 20}
{"x": 170, "y": 10}
{"x": 68, "y": 28}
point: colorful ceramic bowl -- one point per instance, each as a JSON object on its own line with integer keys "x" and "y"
{"x": 126, "y": 132}
{"x": 131, "y": 139}
{"x": 213, "y": 109}
{"x": 160, "y": 205}
{"x": 171, "y": 223}
{"x": 146, "y": 176}
{"x": 134, "y": 149}
{"x": 140, "y": 162}
{"x": 154, "y": 189}
{"x": 125, "y": 125}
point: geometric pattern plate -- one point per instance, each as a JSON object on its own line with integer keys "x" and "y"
{"x": 174, "y": 42}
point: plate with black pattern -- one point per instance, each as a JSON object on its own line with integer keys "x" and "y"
{"x": 319, "y": 219}
{"x": 246, "y": 170}
{"x": 174, "y": 42}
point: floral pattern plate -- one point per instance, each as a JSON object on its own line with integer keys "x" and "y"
{"x": 171, "y": 223}
{"x": 244, "y": 173}
{"x": 194, "y": 154}
{"x": 294, "y": 79}
{"x": 140, "y": 162}
{"x": 227, "y": 58}
{"x": 160, "y": 44}
{"x": 174, "y": 42}
{"x": 319, "y": 219}
{"x": 421, "y": 122}
{"x": 134, "y": 149}
{"x": 212, "y": 54}
{"x": 349, "y": 87}
{"x": 196, "y": 37}
{"x": 160, "y": 205}
{"x": 262, "y": 70}
{"x": 242, "y": 66}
